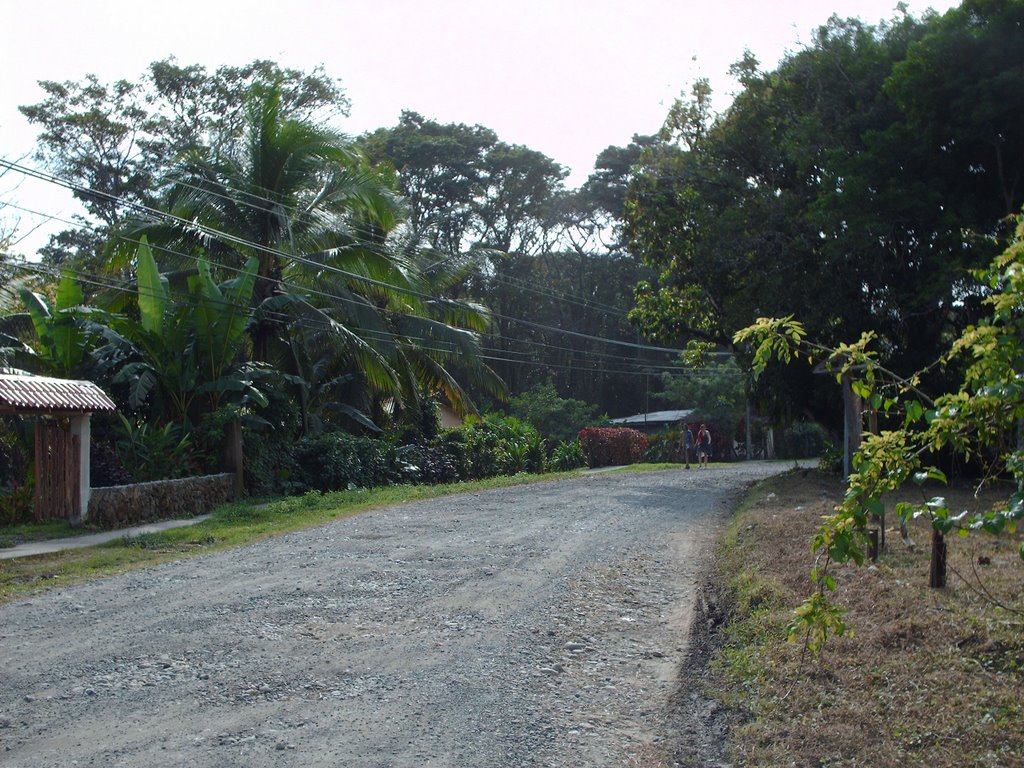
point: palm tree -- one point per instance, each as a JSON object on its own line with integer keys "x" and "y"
{"x": 322, "y": 224}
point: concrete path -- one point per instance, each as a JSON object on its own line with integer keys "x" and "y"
{"x": 92, "y": 539}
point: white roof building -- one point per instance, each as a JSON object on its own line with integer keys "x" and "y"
{"x": 653, "y": 419}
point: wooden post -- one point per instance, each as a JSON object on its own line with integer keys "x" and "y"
{"x": 937, "y": 575}
{"x": 234, "y": 459}
{"x": 38, "y": 501}
{"x": 852, "y": 429}
{"x": 873, "y": 544}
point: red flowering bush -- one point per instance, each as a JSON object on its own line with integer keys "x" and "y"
{"x": 611, "y": 446}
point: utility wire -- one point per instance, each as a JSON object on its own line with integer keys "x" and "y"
{"x": 383, "y": 336}
{"x": 239, "y": 241}
{"x": 378, "y": 335}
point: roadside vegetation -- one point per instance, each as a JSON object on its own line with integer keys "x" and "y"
{"x": 922, "y": 677}
{"x": 250, "y": 270}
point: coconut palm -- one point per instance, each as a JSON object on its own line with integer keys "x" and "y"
{"x": 322, "y": 224}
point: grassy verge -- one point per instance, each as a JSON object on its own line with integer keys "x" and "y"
{"x": 12, "y": 535}
{"x": 230, "y": 525}
{"x": 927, "y": 677}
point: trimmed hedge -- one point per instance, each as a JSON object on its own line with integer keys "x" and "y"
{"x": 612, "y": 446}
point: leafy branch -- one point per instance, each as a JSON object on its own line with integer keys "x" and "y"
{"x": 984, "y": 417}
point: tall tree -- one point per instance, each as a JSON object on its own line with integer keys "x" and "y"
{"x": 115, "y": 140}
{"x": 833, "y": 189}
{"x": 289, "y": 193}
{"x": 440, "y": 173}
{"x": 323, "y": 225}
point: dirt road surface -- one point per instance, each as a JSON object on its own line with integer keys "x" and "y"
{"x": 542, "y": 625}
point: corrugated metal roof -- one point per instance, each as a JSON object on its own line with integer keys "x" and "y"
{"x": 654, "y": 417}
{"x": 39, "y": 393}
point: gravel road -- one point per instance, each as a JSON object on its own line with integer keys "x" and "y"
{"x": 540, "y": 625}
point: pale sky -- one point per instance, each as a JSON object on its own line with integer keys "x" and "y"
{"x": 564, "y": 77}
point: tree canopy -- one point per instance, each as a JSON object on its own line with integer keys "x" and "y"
{"x": 836, "y": 186}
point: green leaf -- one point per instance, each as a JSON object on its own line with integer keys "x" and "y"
{"x": 876, "y": 507}
{"x": 38, "y": 311}
{"x": 69, "y": 292}
{"x": 914, "y": 411}
{"x": 861, "y": 389}
{"x": 153, "y": 298}
{"x": 904, "y": 510}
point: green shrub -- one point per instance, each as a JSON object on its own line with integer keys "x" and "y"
{"x": 662, "y": 447}
{"x": 269, "y": 465}
{"x": 16, "y": 503}
{"x": 452, "y": 445}
{"x": 149, "y": 452}
{"x": 17, "y": 478}
{"x": 105, "y": 467}
{"x": 831, "y": 459}
{"x": 496, "y": 445}
{"x": 556, "y": 418}
{"x": 536, "y": 453}
{"x": 335, "y": 461}
{"x": 568, "y": 455}
{"x": 16, "y": 441}
{"x": 803, "y": 440}
{"x": 427, "y": 465}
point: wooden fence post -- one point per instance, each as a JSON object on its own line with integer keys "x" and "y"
{"x": 937, "y": 575}
{"x": 234, "y": 459}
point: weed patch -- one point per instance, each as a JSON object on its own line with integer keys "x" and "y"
{"x": 925, "y": 677}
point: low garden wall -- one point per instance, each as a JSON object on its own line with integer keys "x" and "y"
{"x": 123, "y": 505}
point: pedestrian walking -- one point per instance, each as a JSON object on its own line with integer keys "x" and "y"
{"x": 686, "y": 443}
{"x": 703, "y": 447}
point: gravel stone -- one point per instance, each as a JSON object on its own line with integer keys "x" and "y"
{"x": 537, "y": 626}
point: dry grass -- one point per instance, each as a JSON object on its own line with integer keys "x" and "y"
{"x": 926, "y": 677}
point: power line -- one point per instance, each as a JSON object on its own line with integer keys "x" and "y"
{"x": 636, "y": 369}
{"x": 375, "y": 335}
{"x": 236, "y": 240}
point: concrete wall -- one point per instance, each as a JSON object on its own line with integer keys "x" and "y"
{"x": 122, "y": 505}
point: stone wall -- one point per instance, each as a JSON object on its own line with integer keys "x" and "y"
{"x": 120, "y": 506}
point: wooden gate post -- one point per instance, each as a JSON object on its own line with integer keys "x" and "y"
{"x": 234, "y": 458}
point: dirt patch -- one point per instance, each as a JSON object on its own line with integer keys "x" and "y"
{"x": 699, "y": 721}
{"x": 925, "y": 677}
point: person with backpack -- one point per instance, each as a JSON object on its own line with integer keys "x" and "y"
{"x": 703, "y": 447}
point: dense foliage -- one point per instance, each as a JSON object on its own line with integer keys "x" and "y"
{"x": 558, "y": 419}
{"x": 855, "y": 184}
{"x": 242, "y": 261}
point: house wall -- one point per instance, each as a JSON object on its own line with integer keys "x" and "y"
{"x": 449, "y": 418}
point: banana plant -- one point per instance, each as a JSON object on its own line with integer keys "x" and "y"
{"x": 185, "y": 352}
{"x": 66, "y": 333}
